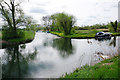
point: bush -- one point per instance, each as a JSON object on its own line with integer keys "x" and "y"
{"x": 8, "y": 34}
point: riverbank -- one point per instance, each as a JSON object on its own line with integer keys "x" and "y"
{"x": 105, "y": 69}
{"x": 28, "y": 37}
{"x": 81, "y": 34}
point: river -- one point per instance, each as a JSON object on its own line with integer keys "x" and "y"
{"x": 49, "y": 56}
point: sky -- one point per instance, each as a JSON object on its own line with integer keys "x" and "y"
{"x": 86, "y": 12}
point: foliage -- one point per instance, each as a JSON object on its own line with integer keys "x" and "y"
{"x": 28, "y": 35}
{"x": 59, "y": 22}
{"x": 77, "y": 34}
{"x": 12, "y": 14}
{"x": 114, "y": 25}
{"x": 81, "y": 34}
{"x": 22, "y": 36}
{"x": 96, "y": 26}
{"x": 14, "y": 18}
{"x": 66, "y": 22}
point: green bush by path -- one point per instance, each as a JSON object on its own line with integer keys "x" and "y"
{"x": 105, "y": 69}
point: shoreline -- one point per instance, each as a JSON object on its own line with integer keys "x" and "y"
{"x": 103, "y": 69}
{"x": 5, "y": 44}
{"x": 83, "y": 37}
{"x": 29, "y": 36}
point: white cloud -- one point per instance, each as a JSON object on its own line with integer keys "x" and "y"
{"x": 87, "y": 12}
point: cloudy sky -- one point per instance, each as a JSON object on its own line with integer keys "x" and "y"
{"x": 87, "y": 12}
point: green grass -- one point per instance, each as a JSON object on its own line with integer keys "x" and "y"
{"x": 28, "y": 35}
{"x": 116, "y": 33}
{"x": 80, "y": 34}
{"x": 105, "y": 69}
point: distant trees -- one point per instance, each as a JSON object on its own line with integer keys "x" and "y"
{"x": 30, "y": 23}
{"x": 60, "y": 22}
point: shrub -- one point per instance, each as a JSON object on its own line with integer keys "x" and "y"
{"x": 8, "y": 34}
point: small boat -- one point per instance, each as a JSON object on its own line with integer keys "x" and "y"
{"x": 102, "y": 35}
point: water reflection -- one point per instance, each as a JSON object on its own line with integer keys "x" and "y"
{"x": 102, "y": 39}
{"x": 113, "y": 42}
{"x": 15, "y": 63}
{"x": 64, "y": 46}
{"x": 48, "y": 56}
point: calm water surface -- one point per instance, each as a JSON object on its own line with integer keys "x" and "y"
{"x": 49, "y": 56}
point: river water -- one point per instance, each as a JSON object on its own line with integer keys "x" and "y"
{"x": 49, "y": 56}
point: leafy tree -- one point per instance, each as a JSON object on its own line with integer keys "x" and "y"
{"x": 12, "y": 15}
{"x": 59, "y": 22}
{"x": 114, "y": 25}
{"x": 66, "y": 22}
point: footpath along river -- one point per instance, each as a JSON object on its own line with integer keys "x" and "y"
{"x": 49, "y": 56}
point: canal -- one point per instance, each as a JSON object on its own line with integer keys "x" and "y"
{"x": 49, "y": 56}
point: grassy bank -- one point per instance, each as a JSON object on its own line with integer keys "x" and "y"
{"x": 105, "y": 69}
{"x": 81, "y": 34}
{"x": 28, "y": 35}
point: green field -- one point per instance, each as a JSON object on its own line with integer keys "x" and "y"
{"x": 105, "y": 69}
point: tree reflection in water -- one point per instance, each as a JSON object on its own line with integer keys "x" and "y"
{"x": 113, "y": 42}
{"x": 64, "y": 46}
{"x": 15, "y": 64}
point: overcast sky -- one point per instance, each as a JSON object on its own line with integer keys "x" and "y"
{"x": 87, "y": 12}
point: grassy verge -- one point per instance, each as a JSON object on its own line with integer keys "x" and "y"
{"x": 105, "y": 69}
{"x": 81, "y": 34}
{"x": 28, "y": 35}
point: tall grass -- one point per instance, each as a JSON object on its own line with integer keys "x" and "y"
{"x": 105, "y": 69}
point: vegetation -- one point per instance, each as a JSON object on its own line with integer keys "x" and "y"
{"x": 28, "y": 35}
{"x": 66, "y": 22}
{"x": 81, "y": 34}
{"x": 59, "y": 22}
{"x": 105, "y": 69}
{"x": 114, "y": 26}
{"x": 14, "y": 18}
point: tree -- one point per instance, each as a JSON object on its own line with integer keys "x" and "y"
{"x": 47, "y": 22}
{"x": 30, "y": 23}
{"x": 114, "y": 25}
{"x": 12, "y": 16}
{"x": 66, "y": 22}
